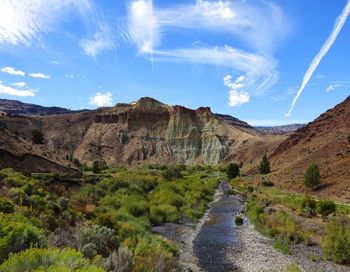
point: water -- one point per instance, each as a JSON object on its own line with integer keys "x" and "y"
{"x": 218, "y": 234}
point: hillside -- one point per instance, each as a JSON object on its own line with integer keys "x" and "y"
{"x": 20, "y": 154}
{"x": 147, "y": 131}
{"x": 323, "y": 142}
{"x": 16, "y": 107}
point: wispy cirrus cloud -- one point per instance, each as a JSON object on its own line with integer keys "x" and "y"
{"x": 101, "y": 41}
{"x": 260, "y": 27}
{"x": 101, "y": 99}
{"x": 26, "y": 20}
{"x": 332, "y": 87}
{"x": 338, "y": 25}
{"x": 12, "y": 71}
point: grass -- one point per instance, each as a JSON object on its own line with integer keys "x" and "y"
{"x": 294, "y": 200}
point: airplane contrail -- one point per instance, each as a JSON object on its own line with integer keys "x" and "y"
{"x": 338, "y": 25}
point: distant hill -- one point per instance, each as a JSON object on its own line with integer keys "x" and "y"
{"x": 323, "y": 142}
{"x": 279, "y": 129}
{"x": 16, "y": 107}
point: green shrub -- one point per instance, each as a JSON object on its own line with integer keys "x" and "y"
{"x": 232, "y": 170}
{"x": 336, "y": 241}
{"x": 239, "y": 221}
{"x": 18, "y": 233}
{"x": 172, "y": 173}
{"x": 308, "y": 206}
{"x": 164, "y": 213}
{"x": 96, "y": 167}
{"x": 264, "y": 167}
{"x": 312, "y": 176}
{"x": 326, "y": 207}
{"x": 267, "y": 183}
{"x": 50, "y": 260}
{"x": 6, "y": 206}
{"x": 293, "y": 267}
{"x": 282, "y": 245}
{"x": 37, "y": 136}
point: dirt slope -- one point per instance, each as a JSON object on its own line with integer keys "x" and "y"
{"x": 323, "y": 142}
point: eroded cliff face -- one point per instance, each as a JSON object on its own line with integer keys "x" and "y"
{"x": 157, "y": 133}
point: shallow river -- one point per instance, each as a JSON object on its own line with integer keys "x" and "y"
{"x": 218, "y": 234}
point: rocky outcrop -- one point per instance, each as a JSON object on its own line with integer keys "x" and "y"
{"x": 150, "y": 131}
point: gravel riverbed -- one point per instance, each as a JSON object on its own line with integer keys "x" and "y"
{"x": 217, "y": 244}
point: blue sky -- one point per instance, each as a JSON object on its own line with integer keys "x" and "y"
{"x": 246, "y": 58}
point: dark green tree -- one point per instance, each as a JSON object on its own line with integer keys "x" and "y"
{"x": 264, "y": 167}
{"x": 232, "y": 170}
{"x": 37, "y": 136}
{"x": 96, "y": 167}
{"x": 312, "y": 176}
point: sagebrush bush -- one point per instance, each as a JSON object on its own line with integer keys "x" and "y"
{"x": 119, "y": 261}
{"x": 49, "y": 260}
{"x": 336, "y": 241}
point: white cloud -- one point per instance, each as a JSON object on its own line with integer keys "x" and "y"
{"x": 332, "y": 87}
{"x": 12, "y": 71}
{"x": 259, "y": 70}
{"x": 237, "y": 96}
{"x": 143, "y": 27}
{"x": 26, "y": 20}
{"x": 39, "y": 75}
{"x": 69, "y": 76}
{"x": 56, "y": 62}
{"x": 102, "y": 41}
{"x": 19, "y": 84}
{"x": 338, "y": 25}
{"x": 102, "y": 100}
{"x": 260, "y": 27}
{"x": 12, "y": 91}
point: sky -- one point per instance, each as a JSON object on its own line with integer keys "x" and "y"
{"x": 266, "y": 62}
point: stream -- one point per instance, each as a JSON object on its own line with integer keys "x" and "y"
{"x": 217, "y": 235}
{"x": 219, "y": 245}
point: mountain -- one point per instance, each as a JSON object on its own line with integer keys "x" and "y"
{"x": 147, "y": 131}
{"x": 279, "y": 129}
{"x": 16, "y": 107}
{"x": 325, "y": 142}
